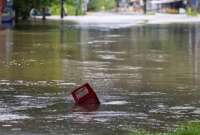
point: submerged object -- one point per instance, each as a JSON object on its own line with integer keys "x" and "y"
{"x": 85, "y": 95}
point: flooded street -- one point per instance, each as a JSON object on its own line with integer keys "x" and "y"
{"x": 146, "y": 77}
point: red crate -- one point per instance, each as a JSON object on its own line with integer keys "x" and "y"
{"x": 85, "y": 95}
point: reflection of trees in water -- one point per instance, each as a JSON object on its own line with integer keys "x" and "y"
{"x": 34, "y": 56}
{"x": 194, "y": 50}
{"x": 5, "y": 45}
{"x": 2, "y": 46}
{"x": 70, "y": 53}
{"x": 160, "y": 52}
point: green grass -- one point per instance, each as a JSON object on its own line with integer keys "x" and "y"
{"x": 191, "y": 128}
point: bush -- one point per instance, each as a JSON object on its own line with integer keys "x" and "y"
{"x": 55, "y": 9}
{"x": 70, "y": 5}
{"x": 110, "y": 4}
{"x": 192, "y": 12}
{"x": 98, "y": 5}
{"x": 71, "y": 10}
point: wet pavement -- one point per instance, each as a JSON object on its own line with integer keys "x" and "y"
{"x": 146, "y": 77}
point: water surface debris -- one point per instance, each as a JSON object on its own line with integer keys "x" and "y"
{"x": 85, "y": 94}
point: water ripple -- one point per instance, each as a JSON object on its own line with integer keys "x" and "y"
{"x": 36, "y": 83}
{"x": 9, "y": 117}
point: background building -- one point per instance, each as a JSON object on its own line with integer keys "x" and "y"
{"x": 161, "y": 6}
{"x": 167, "y": 6}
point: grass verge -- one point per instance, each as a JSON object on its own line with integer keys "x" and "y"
{"x": 191, "y": 128}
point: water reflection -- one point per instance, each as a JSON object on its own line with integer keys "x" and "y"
{"x": 85, "y": 108}
{"x": 194, "y": 45}
{"x": 5, "y": 45}
{"x": 24, "y": 54}
{"x": 146, "y": 77}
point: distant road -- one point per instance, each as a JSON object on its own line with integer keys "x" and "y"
{"x": 113, "y": 20}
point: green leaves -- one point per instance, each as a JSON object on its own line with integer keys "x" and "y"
{"x": 97, "y": 5}
{"x": 73, "y": 6}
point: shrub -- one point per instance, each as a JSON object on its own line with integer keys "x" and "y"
{"x": 98, "y": 5}
{"x": 192, "y": 12}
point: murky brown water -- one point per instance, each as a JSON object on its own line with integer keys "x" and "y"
{"x": 146, "y": 77}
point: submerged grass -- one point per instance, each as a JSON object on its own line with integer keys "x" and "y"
{"x": 191, "y": 128}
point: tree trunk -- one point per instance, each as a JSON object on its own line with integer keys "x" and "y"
{"x": 16, "y": 15}
{"x": 145, "y": 6}
{"x": 43, "y": 14}
{"x": 62, "y": 9}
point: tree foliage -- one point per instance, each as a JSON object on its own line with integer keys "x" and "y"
{"x": 73, "y": 7}
{"x": 97, "y": 5}
{"x": 23, "y": 7}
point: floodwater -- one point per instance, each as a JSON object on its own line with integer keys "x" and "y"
{"x": 146, "y": 77}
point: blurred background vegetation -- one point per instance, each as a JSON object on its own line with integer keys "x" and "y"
{"x": 97, "y": 5}
{"x": 73, "y": 7}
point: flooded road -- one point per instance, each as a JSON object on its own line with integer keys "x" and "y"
{"x": 147, "y": 77}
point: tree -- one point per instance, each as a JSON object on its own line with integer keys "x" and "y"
{"x": 96, "y": 5}
{"x": 44, "y": 4}
{"x": 23, "y": 7}
{"x": 145, "y": 6}
{"x": 62, "y": 9}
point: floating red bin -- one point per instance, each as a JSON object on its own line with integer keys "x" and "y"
{"x": 85, "y": 95}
